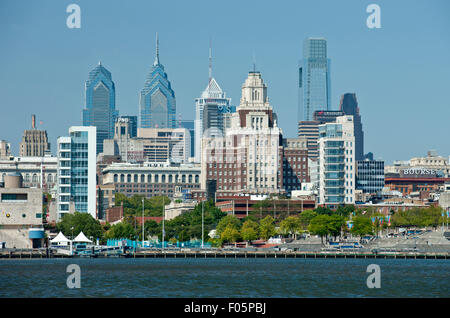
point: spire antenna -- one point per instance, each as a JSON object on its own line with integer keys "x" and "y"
{"x": 210, "y": 61}
{"x": 254, "y": 61}
{"x": 157, "y": 50}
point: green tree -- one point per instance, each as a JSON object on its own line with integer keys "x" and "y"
{"x": 290, "y": 225}
{"x": 230, "y": 234}
{"x": 305, "y": 218}
{"x": 361, "y": 226}
{"x": 261, "y": 208}
{"x": 133, "y": 205}
{"x": 80, "y": 222}
{"x": 319, "y": 226}
{"x": 335, "y": 224}
{"x": 250, "y": 230}
{"x": 152, "y": 228}
{"x": 323, "y": 210}
{"x": 345, "y": 210}
{"x": 224, "y": 222}
{"x": 267, "y": 227}
{"x": 121, "y": 230}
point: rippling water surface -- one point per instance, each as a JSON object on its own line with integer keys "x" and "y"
{"x": 224, "y": 278}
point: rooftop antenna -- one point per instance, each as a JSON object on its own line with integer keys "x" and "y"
{"x": 157, "y": 51}
{"x": 210, "y": 61}
{"x": 254, "y": 61}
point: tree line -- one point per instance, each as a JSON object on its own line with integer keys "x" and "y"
{"x": 321, "y": 221}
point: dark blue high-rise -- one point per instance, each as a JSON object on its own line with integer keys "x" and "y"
{"x": 100, "y": 105}
{"x": 157, "y": 106}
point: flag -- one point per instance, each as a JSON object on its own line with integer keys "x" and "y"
{"x": 388, "y": 219}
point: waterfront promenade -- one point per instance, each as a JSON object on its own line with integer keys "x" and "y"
{"x": 225, "y": 253}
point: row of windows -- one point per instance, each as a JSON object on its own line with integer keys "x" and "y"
{"x": 156, "y": 178}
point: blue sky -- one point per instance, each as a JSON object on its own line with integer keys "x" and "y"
{"x": 400, "y": 73}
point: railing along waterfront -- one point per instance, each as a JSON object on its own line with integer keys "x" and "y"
{"x": 224, "y": 253}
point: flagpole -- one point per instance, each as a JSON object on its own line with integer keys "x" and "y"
{"x": 164, "y": 216}
{"x": 202, "y": 222}
{"x": 142, "y": 222}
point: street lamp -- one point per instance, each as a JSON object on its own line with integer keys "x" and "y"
{"x": 202, "y": 221}
{"x": 142, "y": 222}
{"x": 71, "y": 243}
{"x": 182, "y": 232}
{"x": 164, "y": 216}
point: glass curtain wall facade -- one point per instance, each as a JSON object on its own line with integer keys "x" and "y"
{"x": 370, "y": 175}
{"x": 132, "y": 121}
{"x": 157, "y": 104}
{"x": 190, "y": 126}
{"x": 212, "y": 95}
{"x": 314, "y": 79}
{"x": 349, "y": 105}
{"x": 100, "y": 108}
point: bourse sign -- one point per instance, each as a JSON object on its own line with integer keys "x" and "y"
{"x": 421, "y": 173}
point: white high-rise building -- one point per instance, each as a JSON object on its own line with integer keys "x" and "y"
{"x": 337, "y": 162}
{"x": 77, "y": 171}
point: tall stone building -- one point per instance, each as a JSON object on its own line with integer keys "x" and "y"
{"x": 247, "y": 158}
{"x": 150, "y": 145}
{"x": 34, "y": 142}
{"x": 5, "y": 149}
{"x": 310, "y": 129}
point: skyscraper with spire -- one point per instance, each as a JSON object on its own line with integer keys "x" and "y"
{"x": 157, "y": 104}
{"x": 210, "y": 110}
{"x": 100, "y": 105}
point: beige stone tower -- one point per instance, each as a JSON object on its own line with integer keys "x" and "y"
{"x": 34, "y": 142}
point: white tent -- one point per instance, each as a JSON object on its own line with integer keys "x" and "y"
{"x": 60, "y": 239}
{"x": 81, "y": 238}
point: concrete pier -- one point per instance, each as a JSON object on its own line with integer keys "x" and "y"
{"x": 42, "y": 253}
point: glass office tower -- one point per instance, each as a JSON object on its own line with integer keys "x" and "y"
{"x": 349, "y": 105}
{"x": 132, "y": 120}
{"x": 190, "y": 126}
{"x": 157, "y": 106}
{"x": 100, "y": 108}
{"x": 314, "y": 79}
{"x": 370, "y": 175}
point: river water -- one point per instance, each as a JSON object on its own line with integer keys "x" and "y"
{"x": 119, "y": 277}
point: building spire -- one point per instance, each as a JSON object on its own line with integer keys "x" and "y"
{"x": 254, "y": 61}
{"x": 210, "y": 61}
{"x": 157, "y": 51}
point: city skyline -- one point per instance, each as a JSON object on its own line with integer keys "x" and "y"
{"x": 384, "y": 67}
